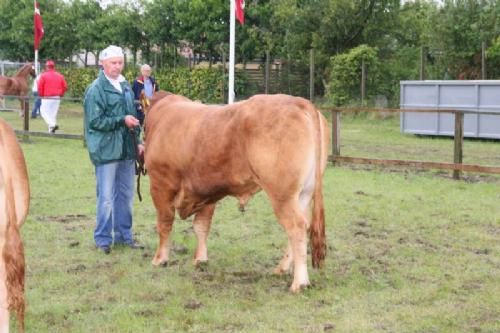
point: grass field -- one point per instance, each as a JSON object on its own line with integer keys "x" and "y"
{"x": 407, "y": 251}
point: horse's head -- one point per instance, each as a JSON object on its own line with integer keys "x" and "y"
{"x": 27, "y": 69}
{"x": 33, "y": 71}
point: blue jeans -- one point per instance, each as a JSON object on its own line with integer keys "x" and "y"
{"x": 115, "y": 198}
{"x": 36, "y": 106}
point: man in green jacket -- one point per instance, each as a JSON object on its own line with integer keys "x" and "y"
{"x": 112, "y": 133}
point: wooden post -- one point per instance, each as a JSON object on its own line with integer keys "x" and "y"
{"x": 311, "y": 76}
{"x": 335, "y": 135}
{"x": 422, "y": 63}
{"x": 363, "y": 82}
{"x": 266, "y": 80}
{"x": 483, "y": 61}
{"x": 459, "y": 141}
{"x": 26, "y": 113}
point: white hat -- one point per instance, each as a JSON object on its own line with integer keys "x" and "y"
{"x": 111, "y": 51}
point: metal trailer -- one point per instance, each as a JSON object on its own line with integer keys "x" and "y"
{"x": 474, "y": 96}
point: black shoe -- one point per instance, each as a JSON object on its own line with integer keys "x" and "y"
{"x": 105, "y": 248}
{"x": 54, "y": 129}
{"x": 135, "y": 245}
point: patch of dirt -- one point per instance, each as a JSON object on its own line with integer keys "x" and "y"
{"x": 246, "y": 276}
{"x": 328, "y": 327}
{"x": 64, "y": 218}
{"x": 77, "y": 269}
{"x": 465, "y": 177}
{"x": 144, "y": 313}
{"x": 74, "y": 243}
{"x": 192, "y": 305}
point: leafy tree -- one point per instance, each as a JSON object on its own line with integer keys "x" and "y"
{"x": 345, "y": 74}
{"x": 16, "y": 26}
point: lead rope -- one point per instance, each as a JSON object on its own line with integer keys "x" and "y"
{"x": 139, "y": 164}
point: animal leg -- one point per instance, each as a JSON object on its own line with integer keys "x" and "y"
{"x": 4, "y": 307}
{"x": 286, "y": 262}
{"x": 294, "y": 222}
{"x": 21, "y": 111}
{"x": 164, "y": 221}
{"x": 201, "y": 226}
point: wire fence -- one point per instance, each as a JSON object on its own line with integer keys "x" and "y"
{"x": 26, "y": 120}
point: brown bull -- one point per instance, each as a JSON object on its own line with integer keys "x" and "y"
{"x": 197, "y": 154}
{"x": 14, "y": 203}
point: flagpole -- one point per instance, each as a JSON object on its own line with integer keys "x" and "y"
{"x": 232, "y": 28}
{"x": 36, "y": 49}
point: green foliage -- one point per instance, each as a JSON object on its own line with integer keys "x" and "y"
{"x": 78, "y": 79}
{"x": 345, "y": 74}
{"x": 493, "y": 55}
{"x": 204, "y": 84}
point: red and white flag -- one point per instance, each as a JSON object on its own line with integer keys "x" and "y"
{"x": 38, "y": 26}
{"x": 240, "y": 11}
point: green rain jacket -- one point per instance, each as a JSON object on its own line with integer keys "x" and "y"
{"x": 108, "y": 138}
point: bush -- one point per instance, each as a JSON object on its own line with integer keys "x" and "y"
{"x": 345, "y": 75}
{"x": 204, "y": 84}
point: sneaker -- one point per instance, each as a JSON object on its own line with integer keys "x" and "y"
{"x": 104, "y": 248}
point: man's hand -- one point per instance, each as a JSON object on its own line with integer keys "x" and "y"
{"x": 131, "y": 121}
{"x": 140, "y": 150}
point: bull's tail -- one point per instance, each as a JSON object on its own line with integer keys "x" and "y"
{"x": 317, "y": 230}
{"x": 13, "y": 255}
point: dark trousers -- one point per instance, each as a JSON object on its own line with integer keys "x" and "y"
{"x": 36, "y": 106}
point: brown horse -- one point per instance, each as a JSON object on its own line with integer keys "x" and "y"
{"x": 17, "y": 85}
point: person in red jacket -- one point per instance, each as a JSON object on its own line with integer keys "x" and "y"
{"x": 51, "y": 87}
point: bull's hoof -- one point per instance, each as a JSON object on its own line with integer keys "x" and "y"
{"x": 297, "y": 288}
{"x": 200, "y": 265}
{"x": 281, "y": 271}
{"x": 159, "y": 263}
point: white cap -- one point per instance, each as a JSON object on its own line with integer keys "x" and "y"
{"x": 111, "y": 51}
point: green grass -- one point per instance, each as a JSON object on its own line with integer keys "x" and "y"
{"x": 407, "y": 252}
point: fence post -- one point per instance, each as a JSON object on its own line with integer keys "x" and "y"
{"x": 26, "y": 114}
{"x": 335, "y": 135}
{"x": 311, "y": 76}
{"x": 459, "y": 140}
{"x": 422, "y": 63}
{"x": 363, "y": 82}
{"x": 266, "y": 81}
{"x": 483, "y": 61}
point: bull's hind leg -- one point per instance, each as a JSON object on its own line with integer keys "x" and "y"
{"x": 201, "y": 226}
{"x": 294, "y": 222}
{"x": 286, "y": 262}
{"x": 165, "y": 212}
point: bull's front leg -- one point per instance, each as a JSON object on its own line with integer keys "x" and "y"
{"x": 164, "y": 221}
{"x": 286, "y": 262}
{"x": 201, "y": 225}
